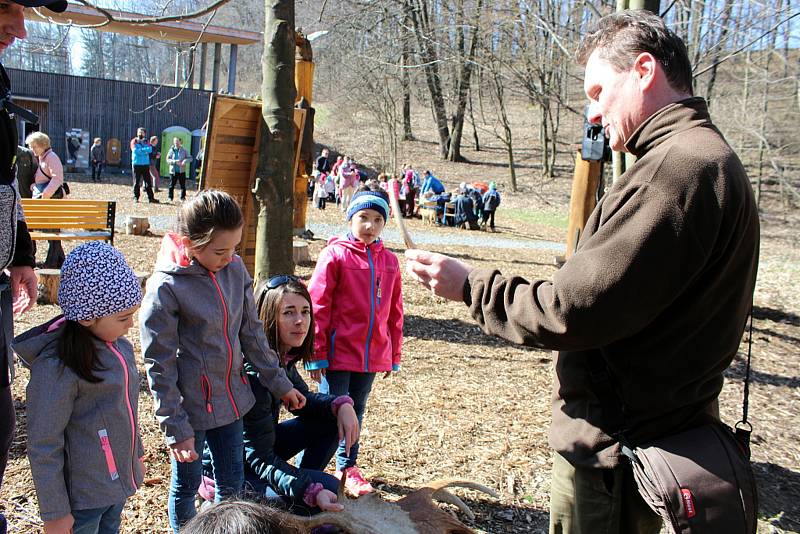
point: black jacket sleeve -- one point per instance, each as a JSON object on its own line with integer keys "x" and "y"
{"x": 259, "y": 447}
{"x": 318, "y": 405}
{"x": 23, "y": 253}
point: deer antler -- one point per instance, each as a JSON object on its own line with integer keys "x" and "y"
{"x": 441, "y": 494}
{"x": 423, "y": 511}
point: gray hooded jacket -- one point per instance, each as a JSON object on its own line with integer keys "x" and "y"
{"x": 83, "y": 438}
{"x": 195, "y": 327}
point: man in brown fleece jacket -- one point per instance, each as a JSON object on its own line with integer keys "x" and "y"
{"x": 659, "y": 288}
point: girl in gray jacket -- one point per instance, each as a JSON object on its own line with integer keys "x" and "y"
{"x": 198, "y": 320}
{"x": 83, "y": 433}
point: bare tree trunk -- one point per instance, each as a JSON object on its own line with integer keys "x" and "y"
{"x": 274, "y": 182}
{"x": 474, "y": 129}
{"x": 408, "y": 135}
{"x": 745, "y": 97}
{"x": 695, "y": 45}
{"x": 762, "y": 142}
{"x": 725, "y": 17}
{"x": 430, "y": 59}
{"x": 466, "y": 68}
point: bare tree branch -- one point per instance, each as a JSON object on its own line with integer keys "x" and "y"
{"x": 161, "y": 104}
{"x": 746, "y": 45}
{"x": 137, "y": 20}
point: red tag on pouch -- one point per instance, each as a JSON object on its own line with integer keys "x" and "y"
{"x": 688, "y": 502}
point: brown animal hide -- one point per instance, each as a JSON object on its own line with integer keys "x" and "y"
{"x": 416, "y": 513}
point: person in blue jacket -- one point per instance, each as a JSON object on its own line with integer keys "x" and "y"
{"x": 433, "y": 183}
{"x": 491, "y": 201}
{"x": 140, "y": 159}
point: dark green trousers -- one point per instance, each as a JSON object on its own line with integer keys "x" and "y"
{"x": 597, "y": 501}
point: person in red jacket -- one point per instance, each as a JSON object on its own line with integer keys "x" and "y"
{"x": 358, "y": 307}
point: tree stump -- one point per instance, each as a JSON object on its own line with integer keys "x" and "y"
{"x": 136, "y": 225}
{"x": 48, "y": 281}
{"x": 300, "y": 252}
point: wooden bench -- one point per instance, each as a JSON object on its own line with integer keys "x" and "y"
{"x": 449, "y": 213}
{"x": 60, "y": 219}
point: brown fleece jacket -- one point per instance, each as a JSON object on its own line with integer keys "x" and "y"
{"x": 661, "y": 286}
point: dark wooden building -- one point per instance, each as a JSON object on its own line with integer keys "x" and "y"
{"x": 106, "y": 108}
{"x": 114, "y": 109}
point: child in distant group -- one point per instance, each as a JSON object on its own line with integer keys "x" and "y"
{"x": 198, "y": 320}
{"x": 320, "y": 192}
{"x": 491, "y": 201}
{"x": 155, "y": 161}
{"x": 358, "y": 308}
{"x": 83, "y": 432}
{"x": 330, "y": 188}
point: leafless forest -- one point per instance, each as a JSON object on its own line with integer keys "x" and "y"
{"x": 482, "y": 70}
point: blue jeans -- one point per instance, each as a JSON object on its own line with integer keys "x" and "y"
{"x": 226, "y": 445}
{"x": 313, "y": 441}
{"x": 358, "y": 386}
{"x": 98, "y": 520}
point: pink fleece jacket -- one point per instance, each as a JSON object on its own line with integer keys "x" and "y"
{"x": 358, "y": 308}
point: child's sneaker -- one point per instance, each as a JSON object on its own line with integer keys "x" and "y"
{"x": 355, "y": 483}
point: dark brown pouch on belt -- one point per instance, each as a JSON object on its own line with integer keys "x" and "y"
{"x": 699, "y": 481}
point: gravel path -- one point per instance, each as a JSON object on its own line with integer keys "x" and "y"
{"x": 464, "y": 238}
{"x": 391, "y": 235}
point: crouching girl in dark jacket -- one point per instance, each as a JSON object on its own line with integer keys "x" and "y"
{"x": 284, "y": 307}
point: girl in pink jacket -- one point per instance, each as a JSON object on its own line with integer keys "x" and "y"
{"x": 358, "y": 307}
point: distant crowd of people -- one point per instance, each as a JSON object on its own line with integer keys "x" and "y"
{"x": 472, "y": 205}
{"x": 145, "y": 160}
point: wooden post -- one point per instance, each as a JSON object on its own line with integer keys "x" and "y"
{"x": 304, "y": 79}
{"x": 621, "y": 162}
{"x": 215, "y": 73}
{"x": 178, "y": 80}
{"x": 583, "y": 199}
{"x": 49, "y": 279}
{"x": 300, "y": 204}
{"x": 232, "y": 70}
{"x": 190, "y": 68}
{"x": 203, "y": 56}
{"x": 303, "y": 68}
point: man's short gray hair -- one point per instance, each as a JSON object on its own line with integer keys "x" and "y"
{"x": 620, "y": 37}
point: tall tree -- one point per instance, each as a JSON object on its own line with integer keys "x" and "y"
{"x": 427, "y": 49}
{"x": 405, "y": 36}
{"x": 274, "y": 182}
{"x": 466, "y": 65}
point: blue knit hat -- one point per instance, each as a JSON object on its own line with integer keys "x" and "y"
{"x": 96, "y": 282}
{"x": 369, "y": 200}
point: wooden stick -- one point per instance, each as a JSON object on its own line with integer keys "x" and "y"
{"x": 398, "y": 217}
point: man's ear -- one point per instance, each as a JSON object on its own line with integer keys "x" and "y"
{"x": 646, "y": 68}
{"x": 87, "y": 322}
